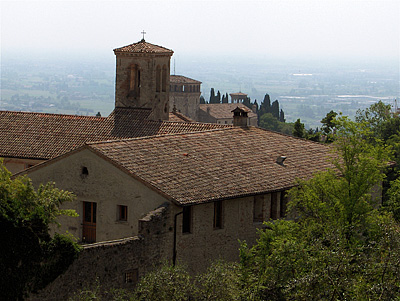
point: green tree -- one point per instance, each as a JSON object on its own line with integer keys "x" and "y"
{"x": 224, "y": 99}
{"x": 328, "y": 122}
{"x": 247, "y": 103}
{"x": 165, "y": 283}
{"x": 30, "y": 258}
{"x": 202, "y": 100}
{"x": 212, "y": 96}
{"x": 218, "y": 97}
{"x": 269, "y": 122}
{"x": 265, "y": 107}
{"x": 275, "y": 109}
{"x": 375, "y": 117}
{"x": 298, "y": 129}
{"x": 282, "y": 116}
{"x": 341, "y": 245}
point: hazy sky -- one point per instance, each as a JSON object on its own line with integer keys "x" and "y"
{"x": 271, "y": 28}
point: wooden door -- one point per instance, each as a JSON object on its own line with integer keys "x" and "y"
{"x": 89, "y": 222}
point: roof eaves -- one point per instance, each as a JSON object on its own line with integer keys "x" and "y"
{"x": 136, "y": 177}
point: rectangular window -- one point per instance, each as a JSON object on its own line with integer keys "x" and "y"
{"x": 258, "y": 209}
{"x": 122, "y": 213}
{"x": 187, "y": 220}
{"x": 274, "y": 205}
{"x": 218, "y": 215}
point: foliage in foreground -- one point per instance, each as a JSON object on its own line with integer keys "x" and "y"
{"x": 219, "y": 282}
{"x": 30, "y": 257}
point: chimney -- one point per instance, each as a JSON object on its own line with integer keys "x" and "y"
{"x": 239, "y": 117}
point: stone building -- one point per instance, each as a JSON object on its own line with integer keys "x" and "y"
{"x": 221, "y": 113}
{"x": 238, "y": 97}
{"x": 219, "y": 186}
{"x": 142, "y": 78}
{"x": 184, "y": 95}
{"x": 141, "y": 109}
{"x": 149, "y": 189}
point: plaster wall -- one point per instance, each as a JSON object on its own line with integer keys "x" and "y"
{"x": 105, "y": 185}
{"x": 15, "y": 165}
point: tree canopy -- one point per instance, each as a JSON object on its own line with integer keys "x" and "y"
{"x": 30, "y": 258}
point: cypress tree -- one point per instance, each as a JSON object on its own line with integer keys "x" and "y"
{"x": 275, "y": 109}
{"x": 212, "y": 96}
{"x": 282, "y": 116}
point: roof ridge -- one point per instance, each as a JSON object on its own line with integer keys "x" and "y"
{"x": 161, "y": 135}
{"x": 52, "y": 114}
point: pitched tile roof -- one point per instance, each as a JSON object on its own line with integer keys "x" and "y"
{"x": 143, "y": 47}
{"x": 44, "y": 136}
{"x": 180, "y": 79}
{"x": 238, "y": 94}
{"x": 176, "y": 116}
{"x": 224, "y": 110}
{"x": 193, "y": 168}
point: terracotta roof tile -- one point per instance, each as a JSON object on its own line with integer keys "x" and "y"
{"x": 224, "y": 110}
{"x": 193, "y": 168}
{"x": 143, "y": 47}
{"x": 176, "y": 116}
{"x": 44, "y": 136}
{"x": 180, "y": 79}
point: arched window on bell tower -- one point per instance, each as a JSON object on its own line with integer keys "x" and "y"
{"x": 164, "y": 78}
{"x": 134, "y": 87}
{"x": 158, "y": 78}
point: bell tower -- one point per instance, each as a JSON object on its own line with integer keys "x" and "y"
{"x": 142, "y": 78}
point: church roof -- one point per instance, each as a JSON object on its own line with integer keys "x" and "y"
{"x": 180, "y": 79}
{"x": 143, "y": 47}
{"x": 44, "y": 136}
{"x": 224, "y": 110}
{"x": 193, "y": 168}
{"x": 176, "y": 116}
{"x": 238, "y": 94}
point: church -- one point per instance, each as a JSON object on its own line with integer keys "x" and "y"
{"x": 151, "y": 190}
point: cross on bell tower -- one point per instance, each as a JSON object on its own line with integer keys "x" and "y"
{"x": 143, "y": 33}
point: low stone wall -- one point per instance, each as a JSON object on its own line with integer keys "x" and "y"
{"x": 116, "y": 264}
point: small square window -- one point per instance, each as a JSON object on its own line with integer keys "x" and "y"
{"x": 131, "y": 276}
{"x": 122, "y": 213}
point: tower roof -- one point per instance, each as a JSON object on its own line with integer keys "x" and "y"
{"x": 143, "y": 47}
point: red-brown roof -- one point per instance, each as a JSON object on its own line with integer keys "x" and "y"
{"x": 193, "y": 168}
{"x": 238, "y": 94}
{"x": 176, "y": 116}
{"x": 44, "y": 136}
{"x": 180, "y": 79}
{"x": 143, "y": 47}
{"x": 224, "y": 110}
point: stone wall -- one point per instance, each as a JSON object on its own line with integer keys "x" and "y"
{"x": 186, "y": 103}
{"x": 147, "y": 95}
{"x": 116, "y": 264}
